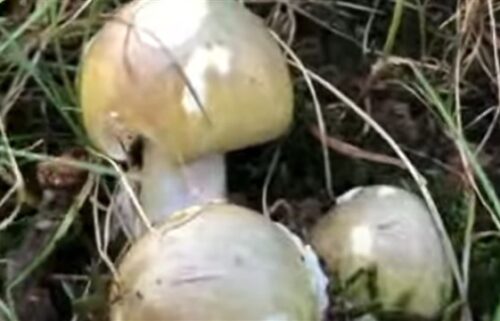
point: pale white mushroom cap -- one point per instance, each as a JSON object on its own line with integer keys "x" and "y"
{"x": 389, "y": 232}
{"x": 219, "y": 262}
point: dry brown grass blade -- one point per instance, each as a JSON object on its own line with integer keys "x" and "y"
{"x": 100, "y": 237}
{"x": 347, "y": 149}
{"x": 496, "y": 59}
{"x": 129, "y": 189}
{"x": 295, "y": 60}
{"x": 17, "y": 188}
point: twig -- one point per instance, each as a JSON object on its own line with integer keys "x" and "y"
{"x": 347, "y": 149}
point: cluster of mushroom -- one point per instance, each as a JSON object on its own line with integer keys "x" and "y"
{"x": 194, "y": 79}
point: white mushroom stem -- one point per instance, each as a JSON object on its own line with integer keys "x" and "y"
{"x": 167, "y": 187}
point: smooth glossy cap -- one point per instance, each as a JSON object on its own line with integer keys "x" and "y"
{"x": 382, "y": 241}
{"x": 224, "y": 263}
{"x": 133, "y": 79}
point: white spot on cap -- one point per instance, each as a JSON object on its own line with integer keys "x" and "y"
{"x": 362, "y": 240}
{"x": 383, "y": 191}
{"x": 169, "y": 23}
{"x": 366, "y": 317}
{"x": 214, "y": 58}
{"x": 349, "y": 195}
{"x": 277, "y": 317}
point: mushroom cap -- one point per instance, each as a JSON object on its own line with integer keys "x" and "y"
{"x": 382, "y": 241}
{"x": 220, "y": 262}
{"x": 133, "y": 76}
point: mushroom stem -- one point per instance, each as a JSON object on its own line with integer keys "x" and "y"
{"x": 167, "y": 187}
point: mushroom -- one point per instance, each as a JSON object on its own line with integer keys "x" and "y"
{"x": 192, "y": 79}
{"x": 219, "y": 262}
{"x": 383, "y": 248}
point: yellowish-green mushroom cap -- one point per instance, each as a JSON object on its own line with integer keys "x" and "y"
{"x": 192, "y": 77}
{"x": 223, "y": 262}
{"x": 381, "y": 244}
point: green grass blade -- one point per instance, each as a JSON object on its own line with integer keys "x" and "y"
{"x": 394, "y": 27}
{"x": 93, "y": 168}
{"x": 444, "y": 111}
{"x": 47, "y": 85}
{"x": 5, "y": 312}
{"x": 61, "y": 231}
{"x": 497, "y": 314}
{"x": 37, "y": 14}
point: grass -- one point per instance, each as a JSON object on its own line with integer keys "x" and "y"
{"x": 365, "y": 71}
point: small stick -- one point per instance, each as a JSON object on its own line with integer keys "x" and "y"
{"x": 347, "y": 149}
